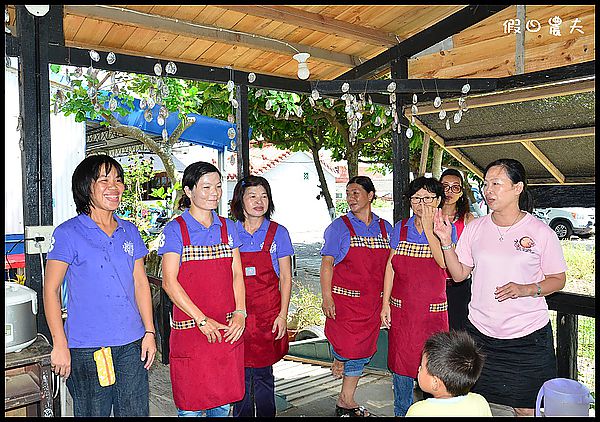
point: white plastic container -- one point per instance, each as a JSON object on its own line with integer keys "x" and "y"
{"x": 20, "y": 310}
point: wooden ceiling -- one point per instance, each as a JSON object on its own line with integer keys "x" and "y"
{"x": 338, "y": 37}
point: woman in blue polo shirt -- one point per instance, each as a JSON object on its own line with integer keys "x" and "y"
{"x": 354, "y": 257}
{"x": 202, "y": 274}
{"x": 266, "y": 260}
{"x": 414, "y": 294}
{"x": 101, "y": 258}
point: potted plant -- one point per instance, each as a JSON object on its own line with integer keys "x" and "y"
{"x": 305, "y": 311}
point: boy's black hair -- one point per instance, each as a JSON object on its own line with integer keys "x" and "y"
{"x": 237, "y": 201}
{"x": 86, "y": 173}
{"x": 455, "y": 359}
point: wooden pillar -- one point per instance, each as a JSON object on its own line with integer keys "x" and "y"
{"x": 566, "y": 345}
{"x": 401, "y": 167}
{"x": 424, "y": 155}
{"x": 36, "y": 165}
{"x": 243, "y": 140}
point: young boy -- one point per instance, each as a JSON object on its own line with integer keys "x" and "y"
{"x": 450, "y": 366}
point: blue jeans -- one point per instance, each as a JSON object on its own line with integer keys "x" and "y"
{"x": 128, "y": 396}
{"x": 259, "y": 397}
{"x": 215, "y": 412}
{"x": 403, "y": 393}
{"x": 352, "y": 367}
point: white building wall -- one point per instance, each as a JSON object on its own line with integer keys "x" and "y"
{"x": 295, "y": 197}
{"x": 68, "y": 150}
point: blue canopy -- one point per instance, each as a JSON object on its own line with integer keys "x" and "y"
{"x": 205, "y": 131}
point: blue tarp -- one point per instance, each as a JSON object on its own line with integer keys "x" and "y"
{"x": 205, "y": 131}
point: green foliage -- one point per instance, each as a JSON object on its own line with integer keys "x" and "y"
{"x": 581, "y": 267}
{"x": 341, "y": 207}
{"x": 307, "y": 307}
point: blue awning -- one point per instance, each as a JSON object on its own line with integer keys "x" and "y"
{"x": 206, "y": 131}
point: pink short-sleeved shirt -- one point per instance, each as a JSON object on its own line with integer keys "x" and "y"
{"x": 530, "y": 250}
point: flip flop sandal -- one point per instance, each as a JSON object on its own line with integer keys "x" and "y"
{"x": 360, "y": 412}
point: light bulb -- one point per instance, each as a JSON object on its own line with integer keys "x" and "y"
{"x": 303, "y": 72}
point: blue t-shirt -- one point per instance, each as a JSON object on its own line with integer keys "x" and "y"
{"x": 101, "y": 310}
{"x": 337, "y": 235}
{"x": 413, "y": 235}
{"x": 281, "y": 246}
{"x": 170, "y": 239}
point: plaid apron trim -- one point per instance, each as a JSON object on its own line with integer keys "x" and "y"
{"x": 414, "y": 250}
{"x": 369, "y": 242}
{"x": 201, "y": 253}
{"x": 346, "y": 292}
{"x": 395, "y": 302}
{"x": 438, "y": 307}
{"x": 190, "y": 323}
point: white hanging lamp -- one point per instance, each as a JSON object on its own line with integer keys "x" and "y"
{"x": 303, "y": 71}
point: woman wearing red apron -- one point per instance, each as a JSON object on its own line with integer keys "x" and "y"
{"x": 355, "y": 254}
{"x": 202, "y": 275}
{"x": 414, "y": 295}
{"x": 456, "y": 207}
{"x": 266, "y": 262}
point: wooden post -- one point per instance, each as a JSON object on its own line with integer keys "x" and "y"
{"x": 401, "y": 166}
{"x": 243, "y": 141}
{"x": 566, "y": 345}
{"x": 424, "y": 155}
{"x": 520, "y": 42}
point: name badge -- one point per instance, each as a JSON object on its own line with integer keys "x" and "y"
{"x": 250, "y": 271}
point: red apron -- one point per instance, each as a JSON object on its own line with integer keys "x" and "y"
{"x": 263, "y": 303}
{"x": 205, "y": 375}
{"x": 460, "y": 226}
{"x": 418, "y": 304}
{"x": 356, "y": 287}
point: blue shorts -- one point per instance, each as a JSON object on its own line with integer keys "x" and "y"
{"x": 352, "y": 367}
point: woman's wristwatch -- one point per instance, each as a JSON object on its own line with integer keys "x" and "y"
{"x": 538, "y": 293}
{"x": 446, "y": 248}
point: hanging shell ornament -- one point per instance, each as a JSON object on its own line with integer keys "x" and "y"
{"x": 377, "y": 121}
{"x": 457, "y": 116}
{"x": 78, "y": 72}
{"x": 92, "y": 92}
{"x": 234, "y": 103}
{"x": 315, "y": 95}
{"x": 115, "y": 89}
{"x": 447, "y": 124}
{"x": 165, "y": 90}
{"x": 111, "y": 58}
{"x": 97, "y": 107}
{"x": 268, "y": 105}
{"x": 415, "y": 99}
{"x": 277, "y": 112}
{"x": 151, "y": 103}
{"x": 251, "y": 77}
{"x": 143, "y": 103}
{"x": 231, "y": 133}
{"x": 94, "y": 55}
{"x": 163, "y": 110}
{"x": 160, "y": 120}
{"x": 437, "y": 102}
{"x": 391, "y": 87}
{"x": 231, "y": 118}
{"x": 112, "y": 104}
{"x": 165, "y": 134}
{"x": 311, "y": 101}
{"x": 345, "y": 87}
{"x": 388, "y": 111}
{"x": 299, "y": 111}
{"x": 442, "y": 114}
{"x": 392, "y": 97}
{"x": 414, "y": 109}
{"x": 148, "y": 115}
{"x": 412, "y": 120}
{"x": 465, "y": 88}
{"x": 230, "y": 85}
{"x": 258, "y": 93}
{"x": 409, "y": 133}
{"x": 157, "y": 69}
{"x": 171, "y": 68}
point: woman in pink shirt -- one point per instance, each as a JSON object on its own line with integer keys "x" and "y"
{"x": 515, "y": 260}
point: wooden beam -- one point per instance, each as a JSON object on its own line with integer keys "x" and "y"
{"x": 424, "y": 155}
{"x": 453, "y": 24}
{"x": 542, "y": 158}
{"x": 517, "y": 95}
{"x": 523, "y": 137}
{"x": 405, "y": 85}
{"x": 520, "y": 42}
{"x": 442, "y": 143}
{"x": 207, "y": 32}
{"x": 581, "y": 180}
{"x": 317, "y": 22}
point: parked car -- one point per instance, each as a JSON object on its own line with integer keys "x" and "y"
{"x": 569, "y": 221}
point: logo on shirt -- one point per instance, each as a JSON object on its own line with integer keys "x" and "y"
{"x": 230, "y": 241}
{"x": 128, "y": 247}
{"x": 52, "y": 240}
{"x": 161, "y": 240}
{"x": 273, "y": 247}
{"x": 525, "y": 244}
